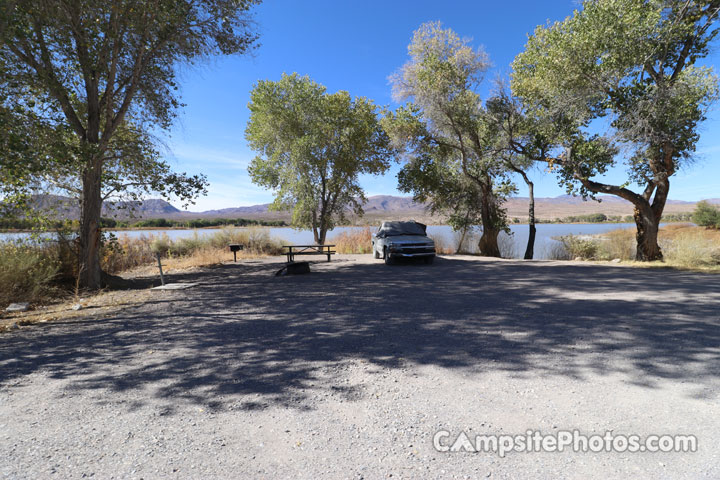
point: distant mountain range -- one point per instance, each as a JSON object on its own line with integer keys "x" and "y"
{"x": 66, "y": 207}
{"x": 378, "y": 207}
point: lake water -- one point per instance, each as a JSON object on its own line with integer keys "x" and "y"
{"x": 443, "y": 233}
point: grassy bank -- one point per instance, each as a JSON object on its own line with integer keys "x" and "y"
{"x": 36, "y": 273}
{"x": 683, "y": 245}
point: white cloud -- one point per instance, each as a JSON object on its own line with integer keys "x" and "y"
{"x": 226, "y": 170}
{"x": 201, "y": 156}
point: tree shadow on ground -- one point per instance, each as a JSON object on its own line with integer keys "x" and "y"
{"x": 246, "y": 339}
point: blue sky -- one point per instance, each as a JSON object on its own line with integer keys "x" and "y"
{"x": 354, "y": 46}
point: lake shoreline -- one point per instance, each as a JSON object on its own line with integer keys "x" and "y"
{"x": 512, "y": 245}
{"x": 220, "y": 227}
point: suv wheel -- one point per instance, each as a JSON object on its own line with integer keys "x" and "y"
{"x": 386, "y": 256}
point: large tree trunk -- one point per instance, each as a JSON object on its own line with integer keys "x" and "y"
{"x": 316, "y": 235}
{"x": 530, "y": 249}
{"x": 648, "y": 225}
{"x": 319, "y": 234}
{"x": 647, "y": 215}
{"x": 648, "y": 219}
{"x": 90, "y": 272}
{"x": 488, "y": 244}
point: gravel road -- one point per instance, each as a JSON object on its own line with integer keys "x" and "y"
{"x": 350, "y": 371}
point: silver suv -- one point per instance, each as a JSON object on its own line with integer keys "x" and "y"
{"x": 403, "y": 240}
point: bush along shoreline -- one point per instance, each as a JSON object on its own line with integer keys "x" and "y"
{"x": 683, "y": 246}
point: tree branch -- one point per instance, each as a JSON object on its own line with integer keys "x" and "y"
{"x": 45, "y": 70}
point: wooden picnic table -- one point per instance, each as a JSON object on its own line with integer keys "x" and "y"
{"x": 293, "y": 250}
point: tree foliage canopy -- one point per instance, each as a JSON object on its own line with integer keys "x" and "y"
{"x": 312, "y": 148}
{"x": 634, "y": 62}
{"x": 630, "y": 65}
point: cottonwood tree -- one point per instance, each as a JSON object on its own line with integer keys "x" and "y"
{"x": 632, "y": 64}
{"x": 312, "y": 147}
{"x": 101, "y": 68}
{"x": 440, "y": 82}
{"x": 434, "y": 174}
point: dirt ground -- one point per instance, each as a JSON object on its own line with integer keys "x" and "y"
{"x": 350, "y": 371}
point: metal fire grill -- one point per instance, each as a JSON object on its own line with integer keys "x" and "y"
{"x": 234, "y": 248}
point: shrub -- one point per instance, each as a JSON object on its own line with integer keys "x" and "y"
{"x": 127, "y": 253}
{"x": 683, "y": 245}
{"x": 589, "y": 218}
{"x": 185, "y": 246}
{"x": 706, "y": 215}
{"x": 108, "y": 222}
{"x": 678, "y": 217}
{"x": 159, "y": 245}
{"x": 556, "y": 251}
{"x": 27, "y": 273}
{"x": 33, "y": 270}
{"x": 576, "y": 246}
{"x": 154, "y": 223}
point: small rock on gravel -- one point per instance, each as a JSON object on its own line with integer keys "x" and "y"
{"x": 17, "y": 307}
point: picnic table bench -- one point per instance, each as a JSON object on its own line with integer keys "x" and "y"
{"x": 293, "y": 250}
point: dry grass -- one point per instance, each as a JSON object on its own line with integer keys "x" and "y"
{"x": 675, "y": 229}
{"x": 27, "y": 272}
{"x": 467, "y": 244}
{"x": 684, "y": 246}
{"x": 442, "y": 246}
{"x": 353, "y": 241}
{"x": 508, "y": 246}
{"x": 618, "y": 243}
{"x": 128, "y": 253}
{"x": 556, "y": 251}
{"x": 690, "y": 246}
